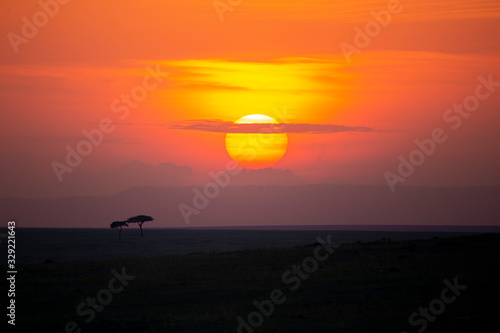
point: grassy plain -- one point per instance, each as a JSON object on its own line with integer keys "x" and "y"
{"x": 361, "y": 287}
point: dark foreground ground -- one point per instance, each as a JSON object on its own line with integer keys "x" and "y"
{"x": 362, "y": 287}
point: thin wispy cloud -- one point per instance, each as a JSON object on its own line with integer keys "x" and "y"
{"x": 59, "y": 139}
{"x": 221, "y": 126}
{"x": 359, "y": 10}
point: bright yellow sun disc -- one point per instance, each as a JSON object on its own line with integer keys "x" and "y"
{"x": 256, "y": 150}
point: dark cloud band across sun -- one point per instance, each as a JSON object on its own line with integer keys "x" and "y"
{"x": 221, "y": 126}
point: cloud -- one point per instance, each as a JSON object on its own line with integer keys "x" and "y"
{"x": 266, "y": 177}
{"x": 24, "y": 179}
{"x": 358, "y": 11}
{"x": 58, "y": 139}
{"x": 132, "y": 174}
{"x": 220, "y": 126}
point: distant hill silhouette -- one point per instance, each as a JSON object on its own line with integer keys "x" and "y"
{"x": 269, "y": 205}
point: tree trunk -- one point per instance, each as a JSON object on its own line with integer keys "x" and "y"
{"x": 120, "y": 235}
{"x": 140, "y": 226}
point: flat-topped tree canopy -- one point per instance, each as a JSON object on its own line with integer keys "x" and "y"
{"x": 119, "y": 225}
{"x": 140, "y": 220}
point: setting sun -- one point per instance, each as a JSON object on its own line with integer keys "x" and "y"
{"x": 241, "y": 166}
{"x": 257, "y": 150}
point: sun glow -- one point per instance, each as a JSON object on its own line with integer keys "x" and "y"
{"x": 256, "y": 150}
{"x": 225, "y": 89}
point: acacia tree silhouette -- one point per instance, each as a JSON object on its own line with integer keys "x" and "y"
{"x": 140, "y": 219}
{"x": 119, "y": 225}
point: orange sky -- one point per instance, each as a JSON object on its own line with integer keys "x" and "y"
{"x": 266, "y": 57}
